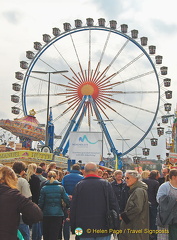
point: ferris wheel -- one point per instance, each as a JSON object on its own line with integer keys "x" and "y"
{"x": 100, "y": 76}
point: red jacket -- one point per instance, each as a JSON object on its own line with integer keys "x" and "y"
{"x": 12, "y": 203}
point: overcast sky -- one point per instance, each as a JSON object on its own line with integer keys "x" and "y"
{"x": 23, "y": 22}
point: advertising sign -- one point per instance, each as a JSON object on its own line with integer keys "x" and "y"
{"x": 172, "y": 158}
{"x": 86, "y": 146}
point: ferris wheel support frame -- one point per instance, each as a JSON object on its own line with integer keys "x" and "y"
{"x": 65, "y": 150}
{"x": 118, "y": 162}
{"x": 72, "y": 122}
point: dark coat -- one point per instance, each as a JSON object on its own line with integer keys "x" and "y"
{"x": 34, "y": 183}
{"x": 12, "y": 203}
{"x": 122, "y": 193}
{"x": 136, "y": 214}
{"x": 51, "y": 197}
{"x": 153, "y": 186}
{"x": 88, "y": 206}
{"x": 70, "y": 180}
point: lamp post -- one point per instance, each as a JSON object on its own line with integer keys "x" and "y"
{"x": 48, "y": 99}
{"x": 123, "y": 140}
{"x": 102, "y": 130}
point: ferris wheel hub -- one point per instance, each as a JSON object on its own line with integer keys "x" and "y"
{"x": 88, "y": 89}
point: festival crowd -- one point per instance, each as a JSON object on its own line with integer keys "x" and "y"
{"x": 44, "y": 202}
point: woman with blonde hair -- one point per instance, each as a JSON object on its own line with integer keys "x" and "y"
{"x": 51, "y": 166}
{"x": 145, "y": 174}
{"x": 12, "y": 203}
{"x": 34, "y": 183}
{"x": 50, "y": 202}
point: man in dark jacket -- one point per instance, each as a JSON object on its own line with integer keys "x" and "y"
{"x": 121, "y": 189}
{"x": 89, "y": 205}
{"x": 70, "y": 180}
{"x": 153, "y": 186}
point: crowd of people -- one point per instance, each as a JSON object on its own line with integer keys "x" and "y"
{"x": 43, "y": 202}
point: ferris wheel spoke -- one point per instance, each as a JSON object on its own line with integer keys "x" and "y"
{"x": 114, "y": 100}
{"x": 44, "y": 95}
{"x": 101, "y": 106}
{"x": 119, "y": 52}
{"x": 122, "y": 69}
{"x": 89, "y": 61}
{"x": 96, "y": 71}
{"x": 79, "y": 80}
{"x": 42, "y": 80}
{"x": 103, "y": 74}
{"x": 80, "y": 66}
{"x": 134, "y": 92}
{"x": 130, "y": 122}
{"x": 104, "y": 48}
{"x": 53, "y": 69}
{"x": 75, "y": 82}
{"x": 130, "y": 79}
{"x": 130, "y": 63}
{"x": 109, "y": 100}
{"x": 54, "y": 106}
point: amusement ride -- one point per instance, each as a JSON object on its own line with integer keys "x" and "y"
{"x": 96, "y": 77}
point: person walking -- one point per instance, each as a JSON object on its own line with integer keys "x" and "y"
{"x": 89, "y": 205}
{"x": 24, "y": 188}
{"x": 167, "y": 211}
{"x": 165, "y": 172}
{"x": 121, "y": 189}
{"x": 153, "y": 185}
{"x": 50, "y": 201}
{"x": 12, "y": 204}
{"x": 69, "y": 182}
{"x": 34, "y": 183}
{"x": 135, "y": 218}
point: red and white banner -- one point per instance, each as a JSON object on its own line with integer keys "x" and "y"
{"x": 172, "y": 158}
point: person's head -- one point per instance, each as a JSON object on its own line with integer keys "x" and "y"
{"x": 173, "y": 174}
{"x": 43, "y": 166}
{"x": 100, "y": 172}
{"x": 105, "y": 175}
{"x": 8, "y": 177}
{"x": 165, "y": 171}
{"x": 52, "y": 175}
{"x": 19, "y": 167}
{"x": 51, "y": 166}
{"x": 145, "y": 174}
{"x": 76, "y": 167}
{"x": 118, "y": 174}
{"x": 39, "y": 171}
{"x": 57, "y": 173}
{"x": 91, "y": 168}
{"x": 60, "y": 175}
{"x": 131, "y": 177}
{"x": 32, "y": 167}
{"x": 154, "y": 174}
